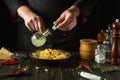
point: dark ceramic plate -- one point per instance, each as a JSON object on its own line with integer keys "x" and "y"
{"x": 51, "y": 61}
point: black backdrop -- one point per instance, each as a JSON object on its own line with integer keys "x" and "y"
{"x": 104, "y": 13}
{"x": 7, "y": 28}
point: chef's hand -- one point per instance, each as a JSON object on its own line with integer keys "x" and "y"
{"x": 32, "y": 21}
{"x": 68, "y": 19}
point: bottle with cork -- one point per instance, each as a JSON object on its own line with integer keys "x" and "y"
{"x": 115, "y": 49}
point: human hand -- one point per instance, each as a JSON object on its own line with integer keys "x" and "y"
{"x": 32, "y": 21}
{"x": 68, "y": 19}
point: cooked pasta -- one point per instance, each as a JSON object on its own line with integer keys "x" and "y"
{"x": 50, "y": 54}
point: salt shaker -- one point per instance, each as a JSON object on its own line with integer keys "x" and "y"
{"x": 100, "y": 56}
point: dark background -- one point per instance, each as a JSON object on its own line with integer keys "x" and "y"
{"x": 104, "y": 13}
{"x": 7, "y": 28}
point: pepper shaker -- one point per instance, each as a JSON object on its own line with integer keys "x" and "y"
{"x": 115, "y": 50}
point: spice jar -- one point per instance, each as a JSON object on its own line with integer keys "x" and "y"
{"x": 101, "y": 36}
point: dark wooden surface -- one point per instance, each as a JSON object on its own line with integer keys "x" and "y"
{"x": 60, "y": 71}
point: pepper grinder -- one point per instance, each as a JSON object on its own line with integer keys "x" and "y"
{"x": 115, "y": 50}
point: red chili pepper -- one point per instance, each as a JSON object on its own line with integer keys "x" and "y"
{"x": 49, "y": 51}
{"x": 84, "y": 66}
{"x": 9, "y": 61}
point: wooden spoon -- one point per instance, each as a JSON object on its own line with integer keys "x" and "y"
{"x": 15, "y": 72}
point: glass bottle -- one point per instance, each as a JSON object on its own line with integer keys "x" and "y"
{"x": 38, "y": 39}
{"x": 110, "y": 32}
{"x": 107, "y": 45}
{"x": 111, "y": 37}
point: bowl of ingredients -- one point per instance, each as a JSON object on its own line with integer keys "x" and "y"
{"x": 50, "y": 56}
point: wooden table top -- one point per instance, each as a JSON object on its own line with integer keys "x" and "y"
{"x": 60, "y": 71}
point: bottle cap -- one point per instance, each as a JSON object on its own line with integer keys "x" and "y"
{"x": 54, "y": 27}
{"x": 116, "y": 20}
